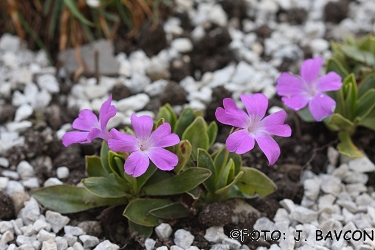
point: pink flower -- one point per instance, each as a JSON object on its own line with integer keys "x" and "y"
{"x": 308, "y": 89}
{"x": 145, "y": 145}
{"x": 252, "y": 126}
{"x": 90, "y": 125}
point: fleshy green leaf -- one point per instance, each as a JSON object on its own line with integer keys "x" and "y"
{"x": 142, "y": 180}
{"x": 335, "y": 65}
{"x": 366, "y": 84}
{"x": 346, "y": 146}
{"x": 94, "y": 167}
{"x": 225, "y": 190}
{"x": 168, "y": 114}
{"x": 183, "y": 152}
{"x": 362, "y": 56}
{"x": 103, "y": 187}
{"x": 180, "y": 183}
{"x": 171, "y": 211}
{"x": 350, "y": 96}
{"x": 337, "y": 122}
{"x": 212, "y": 133}
{"x": 104, "y": 151}
{"x": 305, "y": 114}
{"x": 255, "y": 182}
{"x": 136, "y": 229}
{"x": 204, "y": 161}
{"x": 365, "y": 104}
{"x": 138, "y": 211}
{"x": 75, "y": 11}
{"x": 71, "y": 199}
{"x": 223, "y": 175}
{"x": 369, "y": 121}
{"x": 116, "y": 164}
{"x": 186, "y": 118}
{"x": 196, "y": 134}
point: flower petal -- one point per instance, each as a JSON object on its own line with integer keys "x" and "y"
{"x": 231, "y": 114}
{"x": 329, "y": 82}
{"x": 121, "y": 142}
{"x": 107, "y": 111}
{"x": 310, "y": 69}
{"x": 269, "y": 147}
{"x": 276, "y": 118}
{"x": 288, "y": 85}
{"x": 240, "y": 142}
{"x": 162, "y": 158}
{"x": 74, "y": 137}
{"x": 279, "y": 130}
{"x": 162, "y": 136}
{"x": 136, "y": 164}
{"x": 322, "y": 106}
{"x": 86, "y": 120}
{"x": 94, "y": 133}
{"x": 274, "y": 124}
{"x": 256, "y": 105}
{"x": 142, "y": 126}
{"x": 295, "y": 102}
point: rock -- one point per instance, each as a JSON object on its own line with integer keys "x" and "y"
{"x": 361, "y": 165}
{"x": 183, "y": 238}
{"x": 356, "y": 187}
{"x": 3, "y": 182}
{"x": 32, "y": 182}
{"x": 182, "y": 45}
{"x": 25, "y": 170}
{"x": 217, "y": 15}
{"x": 23, "y": 112}
{"x": 232, "y": 243}
{"x": 40, "y": 224}
{"x": 107, "y": 245}
{"x": 326, "y": 201}
{"x": 312, "y": 188}
{"x": 49, "y": 83}
{"x": 319, "y": 45}
{"x": 78, "y": 246}
{"x": 333, "y": 155}
{"x": 107, "y": 63}
{"x": 281, "y": 215}
{"x": 58, "y": 221}
{"x": 19, "y": 126}
{"x": 287, "y": 204}
{"x": 43, "y": 235}
{"x": 89, "y": 241}
{"x": 349, "y": 205}
{"x": 156, "y": 88}
{"x": 303, "y": 215}
{"x": 31, "y": 211}
{"x": 149, "y": 244}
{"x": 133, "y": 103}
{"x": 62, "y": 172}
{"x": 137, "y": 83}
{"x": 243, "y": 73}
{"x": 162, "y": 248}
{"x": 75, "y": 231}
{"x": 220, "y": 247}
{"x": 70, "y": 239}
{"x": 222, "y": 76}
{"x": 52, "y": 182}
{"x": 91, "y": 228}
{"x": 264, "y": 223}
{"x": 163, "y": 231}
{"x": 330, "y": 184}
{"x": 49, "y": 245}
{"x": 7, "y": 237}
{"x": 4, "y": 162}
{"x": 95, "y": 91}
{"x": 61, "y": 243}
{"x": 11, "y": 174}
{"x": 10, "y": 43}
{"x": 215, "y": 234}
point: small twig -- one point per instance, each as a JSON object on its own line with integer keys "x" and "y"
{"x": 315, "y": 150}
{"x": 96, "y": 56}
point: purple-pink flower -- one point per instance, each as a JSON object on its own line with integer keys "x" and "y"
{"x": 145, "y": 146}
{"x": 91, "y": 127}
{"x": 253, "y": 126}
{"x": 297, "y": 92}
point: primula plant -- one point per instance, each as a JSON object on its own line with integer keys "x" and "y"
{"x": 165, "y": 169}
{"x": 350, "y": 83}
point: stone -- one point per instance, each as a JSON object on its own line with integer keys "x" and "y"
{"x": 4, "y": 162}
{"x": 183, "y": 238}
{"x": 23, "y": 112}
{"x": 361, "y": 165}
{"x": 40, "y": 224}
{"x": 25, "y": 170}
{"x": 31, "y": 183}
{"x": 333, "y": 155}
{"x": 134, "y": 103}
{"x": 7, "y": 236}
{"x": 43, "y": 235}
{"x": 222, "y": 76}
{"x": 355, "y": 177}
{"x": 57, "y": 221}
{"x": 11, "y": 174}
{"x": 281, "y": 215}
{"x": 215, "y": 234}
{"x": 326, "y": 201}
{"x": 156, "y": 87}
{"x": 330, "y": 184}
{"x": 5, "y": 226}
{"x": 217, "y": 15}
{"x": 19, "y": 126}
{"x": 62, "y": 172}
{"x": 89, "y": 241}
{"x": 243, "y": 73}
{"x": 348, "y": 204}
{"x": 22, "y": 239}
{"x": 163, "y": 231}
{"x": 52, "y": 182}
{"x": 319, "y": 45}
{"x": 232, "y": 243}
{"x": 182, "y": 45}
{"x": 364, "y": 200}
{"x": 107, "y": 245}
{"x": 95, "y": 91}
{"x": 162, "y": 248}
{"x": 10, "y": 43}
{"x": 264, "y": 223}
{"x": 78, "y": 246}
{"x": 91, "y": 228}
{"x": 287, "y": 204}
{"x": 174, "y": 247}
{"x": 28, "y": 230}
{"x": 70, "y": 239}
{"x": 220, "y": 247}
{"x": 312, "y": 188}
{"x": 31, "y": 211}
{"x": 49, "y": 83}
{"x": 49, "y": 245}
{"x": 75, "y": 231}
{"x": 150, "y": 244}
{"x": 3, "y": 182}
{"x": 303, "y": 215}
{"x": 19, "y": 197}
{"x": 108, "y": 65}
{"x": 61, "y": 243}
{"x": 356, "y": 187}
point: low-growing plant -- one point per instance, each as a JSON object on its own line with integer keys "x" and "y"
{"x": 350, "y": 83}
{"x": 153, "y": 166}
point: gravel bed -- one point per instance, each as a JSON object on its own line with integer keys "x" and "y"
{"x": 241, "y": 46}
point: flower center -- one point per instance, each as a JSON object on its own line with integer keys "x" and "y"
{"x": 143, "y": 144}
{"x": 310, "y": 89}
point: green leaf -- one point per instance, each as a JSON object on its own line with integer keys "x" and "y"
{"x": 369, "y": 121}
{"x": 116, "y": 164}
{"x": 366, "y": 84}
{"x": 142, "y": 180}
{"x": 350, "y": 96}
{"x": 194, "y": 193}
{"x": 180, "y": 183}
{"x": 136, "y": 229}
{"x": 335, "y": 65}
{"x": 71, "y": 199}
{"x": 186, "y": 118}
{"x": 196, "y": 134}
{"x": 159, "y": 122}
{"x": 223, "y": 176}
{"x": 94, "y": 167}
{"x": 305, "y": 114}
{"x": 346, "y": 146}
{"x": 171, "y": 211}
{"x": 337, "y": 122}
{"x": 103, "y": 187}
{"x": 138, "y": 211}
{"x": 362, "y": 56}
{"x": 104, "y": 151}
{"x": 183, "y": 152}
{"x": 205, "y": 161}
{"x": 168, "y": 114}
{"x": 365, "y": 104}
{"x": 212, "y": 133}
{"x": 73, "y": 8}
{"x": 225, "y": 190}
{"x": 255, "y": 182}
